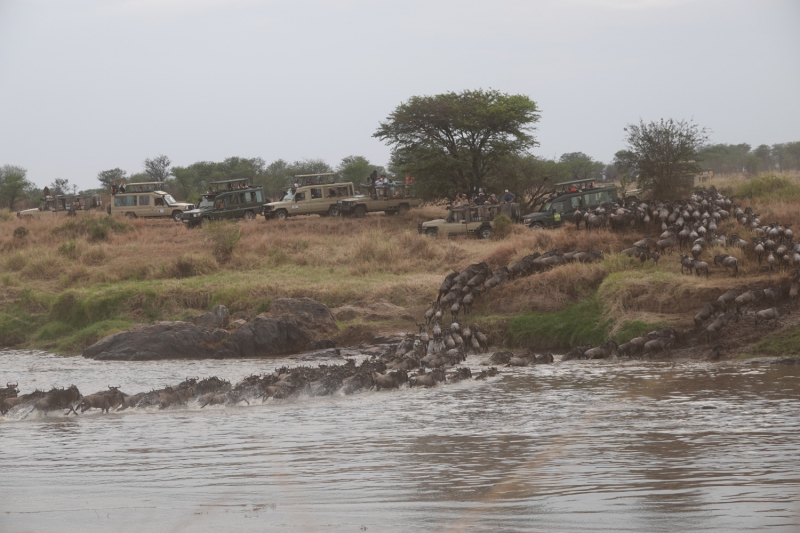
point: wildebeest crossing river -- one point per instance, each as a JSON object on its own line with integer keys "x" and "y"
{"x": 578, "y": 446}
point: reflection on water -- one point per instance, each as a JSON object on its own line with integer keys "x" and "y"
{"x": 565, "y": 447}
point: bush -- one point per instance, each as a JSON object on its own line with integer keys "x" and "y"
{"x": 69, "y": 250}
{"x": 21, "y": 232}
{"x": 188, "y": 265}
{"x": 769, "y": 186}
{"x": 224, "y": 237}
{"x": 95, "y": 229}
{"x": 16, "y": 262}
{"x": 95, "y": 255}
{"x": 5, "y": 215}
{"x": 502, "y": 227}
{"x": 44, "y": 268}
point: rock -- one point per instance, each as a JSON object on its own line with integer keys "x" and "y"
{"x": 240, "y": 315}
{"x": 386, "y": 340}
{"x": 348, "y": 312}
{"x": 237, "y": 324}
{"x": 310, "y": 313}
{"x": 323, "y": 344}
{"x": 271, "y": 336}
{"x": 295, "y": 331}
{"x": 164, "y": 340}
{"x": 320, "y": 354}
{"x": 216, "y": 318}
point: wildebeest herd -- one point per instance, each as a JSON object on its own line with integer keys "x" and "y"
{"x": 388, "y": 369}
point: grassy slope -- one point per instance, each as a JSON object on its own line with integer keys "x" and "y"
{"x": 63, "y": 288}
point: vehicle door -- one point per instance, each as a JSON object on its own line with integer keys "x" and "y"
{"x": 232, "y": 206}
{"x": 455, "y": 223}
{"x": 160, "y": 207}
{"x": 300, "y": 203}
{"x": 145, "y": 207}
{"x": 560, "y": 210}
{"x": 316, "y": 201}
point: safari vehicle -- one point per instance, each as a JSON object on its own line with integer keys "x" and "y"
{"x": 64, "y": 206}
{"x": 566, "y": 198}
{"x": 310, "y": 194}
{"x": 146, "y": 200}
{"x": 464, "y": 220}
{"x": 391, "y": 200}
{"x": 231, "y": 199}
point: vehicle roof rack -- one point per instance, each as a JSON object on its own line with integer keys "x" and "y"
{"x": 573, "y": 182}
{"x": 231, "y": 181}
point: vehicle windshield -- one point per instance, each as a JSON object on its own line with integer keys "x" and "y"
{"x": 206, "y": 201}
{"x": 170, "y": 200}
{"x": 546, "y": 207}
{"x": 288, "y": 196}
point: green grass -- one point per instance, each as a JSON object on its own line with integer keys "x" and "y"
{"x": 577, "y": 324}
{"x": 85, "y": 337}
{"x": 783, "y": 342}
{"x": 769, "y": 186}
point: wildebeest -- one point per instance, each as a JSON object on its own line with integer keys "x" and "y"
{"x": 728, "y": 262}
{"x": 707, "y": 312}
{"x": 390, "y": 380}
{"x": 658, "y": 345}
{"x": 576, "y": 353}
{"x": 700, "y": 266}
{"x": 602, "y": 351}
{"x": 773, "y": 313}
{"x": 103, "y": 400}
{"x": 58, "y": 399}
{"x": 728, "y": 298}
{"x": 427, "y": 380}
{"x": 9, "y": 403}
{"x": 716, "y": 352}
{"x": 747, "y": 298}
{"x": 720, "y": 322}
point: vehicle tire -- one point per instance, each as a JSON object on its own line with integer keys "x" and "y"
{"x": 333, "y": 211}
{"x": 431, "y": 232}
{"x": 404, "y": 208}
{"x": 130, "y": 215}
{"x": 360, "y": 211}
{"x": 249, "y": 216}
{"x": 390, "y": 212}
{"x": 282, "y": 215}
{"x": 536, "y": 226}
{"x": 485, "y": 232}
{"x": 204, "y": 222}
{"x": 177, "y": 216}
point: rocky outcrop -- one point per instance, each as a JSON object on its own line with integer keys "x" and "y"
{"x": 371, "y": 311}
{"x": 219, "y": 317}
{"x": 296, "y": 325}
{"x": 309, "y": 313}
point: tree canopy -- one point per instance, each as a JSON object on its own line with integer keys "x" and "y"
{"x": 453, "y": 142}
{"x": 662, "y": 156}
{"x": 13, "y": 184}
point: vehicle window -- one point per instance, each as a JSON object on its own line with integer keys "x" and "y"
{"x": 288, "y": 197}
{"x": 575, "y": 202}
{"x": 219, "y": 203}
{"x": 144, "y": 200}
{"x": 124, "y": 201}
{"x": 205, "y": 201}
{"x": 300, "y": 197}
{"x": 560, "y": 207}
{"x": 258, "y": 197}
{"x": 545, "y": 207}
{"x": 169, "y": 199}
{"x": 233, "y": 199}
{"x": 316, "y": 193}
{"x": 158, "y": 201}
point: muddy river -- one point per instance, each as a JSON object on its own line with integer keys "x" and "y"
{"x": 577, "y": 446}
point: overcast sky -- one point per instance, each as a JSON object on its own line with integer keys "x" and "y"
{"x": 87, "y": 85}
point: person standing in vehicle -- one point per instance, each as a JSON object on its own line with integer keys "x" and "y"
{"x": 509, "y": 197}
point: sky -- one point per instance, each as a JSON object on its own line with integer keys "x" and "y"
{"x": 88, "y": 85}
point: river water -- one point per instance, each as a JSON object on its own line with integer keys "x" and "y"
{"x": 579, "y": 446}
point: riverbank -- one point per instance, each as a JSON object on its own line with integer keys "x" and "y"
{"x": 66, "y": 284}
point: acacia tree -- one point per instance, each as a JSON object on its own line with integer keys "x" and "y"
{"x": 111, "y": 176}
{"x": 157, "y": 169}
{"x": 452, "y": 142}
{"x": 13, "y": 183}
{"x": 662, "y": 156}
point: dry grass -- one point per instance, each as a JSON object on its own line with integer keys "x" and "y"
{"x": 162, "y": 270}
